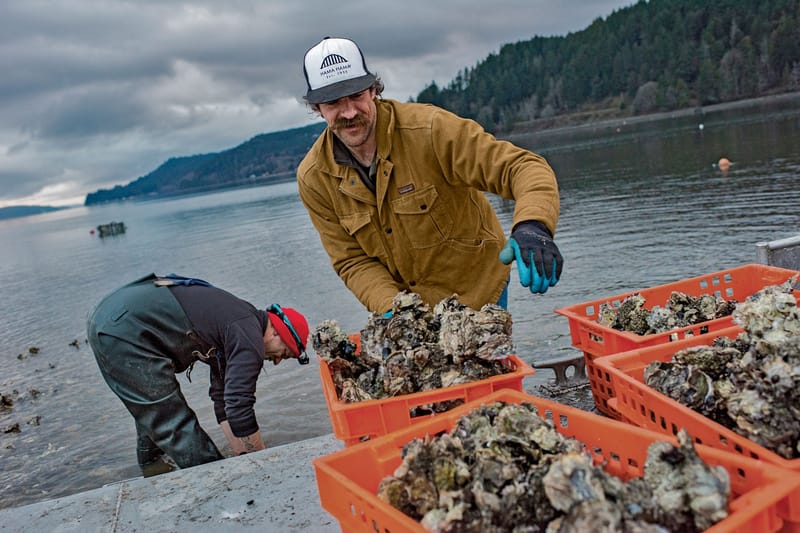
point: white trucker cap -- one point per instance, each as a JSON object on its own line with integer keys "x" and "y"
{"x": 335, "y": 68}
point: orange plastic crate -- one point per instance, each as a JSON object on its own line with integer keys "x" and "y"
{"x": 602, "y": 388}
{"x": 596, "y": 340}
{"x": 359, "y": 421}
{"x": 763, "y": 497}
{"x": 735, "y": 283}
{"x": 647, "y": 408}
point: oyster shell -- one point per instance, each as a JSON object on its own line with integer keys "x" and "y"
{"x": 689, "y": 494}
{"x": 685, "y": 383}
{"x": 750, "y": 384}
{"x": 504, "y": 468}
{"x": 571, "y": 480}
{"x": 465, "y": 333}
{"x": 680, "y": 310}
{"x": 417, "y": 349}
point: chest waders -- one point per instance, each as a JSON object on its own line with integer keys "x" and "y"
{"x": 141, "y": 338}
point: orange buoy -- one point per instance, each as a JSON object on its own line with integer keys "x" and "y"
{"x": 723, "y": 163}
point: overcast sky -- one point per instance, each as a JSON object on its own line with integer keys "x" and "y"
{"x": 95, "y": 93}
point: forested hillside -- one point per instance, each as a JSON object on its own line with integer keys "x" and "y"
{"x": 656, "y": 55}
{"x": 652, "y": 56}
{"x": 263, "y": 159}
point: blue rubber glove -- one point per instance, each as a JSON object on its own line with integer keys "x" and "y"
{"x": 388, "y": 314}
{"x": 538, "y": 260}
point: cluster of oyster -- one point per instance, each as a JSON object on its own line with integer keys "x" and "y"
{"x": 680, "y": 310}
{"x": 417, "y": 349}
{"x": 504, "y": 468}
{"x": 750, "y": 384}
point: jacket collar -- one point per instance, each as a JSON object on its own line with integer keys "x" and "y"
{"x": 339, "y": 163}
{"x": 384, "y": 128}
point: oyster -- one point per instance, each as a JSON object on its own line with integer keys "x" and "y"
{"x": 750, "y": 384}
{"x": 684, "y": 383}
{"x": 351, "y": 392}
{"x": 632, "y": 315}
{"x": 770, "y": 312}
{"x": 680, "y": 310}
{"x": 571, "y": 480}
{"x": 711, "y": 360}
{"x": 689, "y": 495}
{"x": 465, "y": 333}
{"x": 504, "y": 468}
{"x": 417, "y": 349}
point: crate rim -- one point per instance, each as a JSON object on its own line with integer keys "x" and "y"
{"x": 568, "y": 309}
{"x": 521, "y": 369}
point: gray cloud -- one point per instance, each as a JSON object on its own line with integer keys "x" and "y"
{"x": 95, "y": 94}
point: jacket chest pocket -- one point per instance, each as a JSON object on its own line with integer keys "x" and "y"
{"x": 359, "y": 226}
{"x": 423, "y": 217}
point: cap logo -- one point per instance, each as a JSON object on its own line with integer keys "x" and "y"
{"x": 334, "y": 65}
{"x": 332, "y": 59}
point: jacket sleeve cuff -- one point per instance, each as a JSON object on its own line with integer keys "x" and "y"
{"x": 219, "y": 412}
{"x": 243, "y": 427}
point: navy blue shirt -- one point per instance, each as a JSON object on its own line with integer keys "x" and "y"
{"x": 234, "y": 329}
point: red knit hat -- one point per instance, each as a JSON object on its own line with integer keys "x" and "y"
{"x": 277, "y": 315}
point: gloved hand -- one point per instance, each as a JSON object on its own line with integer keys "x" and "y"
{"x": 538, "y": 260}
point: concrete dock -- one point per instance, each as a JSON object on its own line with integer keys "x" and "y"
{"x": 271, "y": 490}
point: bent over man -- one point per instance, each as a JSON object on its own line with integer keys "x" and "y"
{"x": 147, "y": 331}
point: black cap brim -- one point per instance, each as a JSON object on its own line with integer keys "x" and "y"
{"x": 340, "y": 89}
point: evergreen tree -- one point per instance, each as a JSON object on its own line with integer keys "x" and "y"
{"x": 696, "y": 52}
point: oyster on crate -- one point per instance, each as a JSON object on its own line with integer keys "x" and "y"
{"x": 417, "y": 349}
{"x": 686, "y": 384}
{"x": 504, "y": 468}
{"x": 680, "y": 310}
{"x": 750, "y": 384}
{"x": 689, "y": 495}
{"x": 465, "y": 333}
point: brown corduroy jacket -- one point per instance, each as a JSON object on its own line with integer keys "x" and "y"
{"x": 429, "y": 227}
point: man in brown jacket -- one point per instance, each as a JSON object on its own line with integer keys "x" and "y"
{"x": 395, "y": 191}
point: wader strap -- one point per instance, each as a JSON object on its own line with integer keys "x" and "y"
{"x": 198, "y": 355}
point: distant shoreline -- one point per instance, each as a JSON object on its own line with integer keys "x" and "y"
{"x": 544, "y": 131}
{"x": 550, "y": 129}
{"x": 16, "y": 211}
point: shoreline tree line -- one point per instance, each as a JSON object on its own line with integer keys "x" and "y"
{"x": 653, "y": 56}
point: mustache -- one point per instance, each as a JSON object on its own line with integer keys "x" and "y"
{"x": 358, "y": 120}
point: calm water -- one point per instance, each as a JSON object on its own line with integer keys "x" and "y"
{"x": 641, "y": 206}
